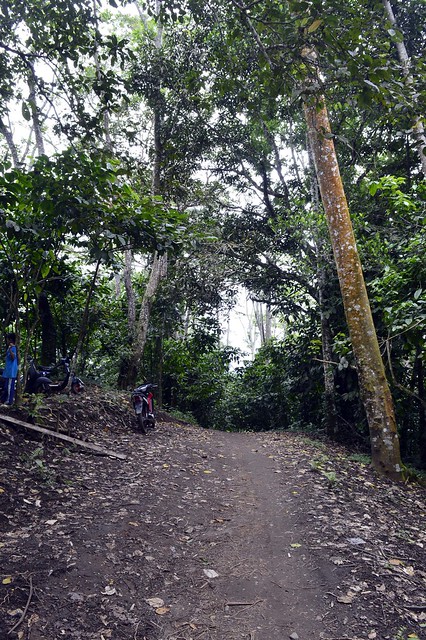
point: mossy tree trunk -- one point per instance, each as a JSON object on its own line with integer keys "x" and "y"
{"x": 374, "y": 387}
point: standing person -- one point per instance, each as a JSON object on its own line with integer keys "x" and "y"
{"x": 10, "y": 371}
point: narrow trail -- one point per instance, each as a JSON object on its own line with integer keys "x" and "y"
{"x": 269, "y": 586}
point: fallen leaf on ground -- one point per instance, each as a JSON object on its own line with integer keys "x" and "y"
{"x": 156, "y": 603}
{"x": 109, "y": 591}
{"x": 210, "y": 573}
{"x": 346, "y": 599}
{"x": 162, "y": 610}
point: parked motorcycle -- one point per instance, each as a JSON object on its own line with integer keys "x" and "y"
{"x": 143, "y": 404}
{"x": 39, "y": 379}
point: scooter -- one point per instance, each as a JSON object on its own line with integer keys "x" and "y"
{"x": 143, "y": 404}
{"x": 39, "y": 379}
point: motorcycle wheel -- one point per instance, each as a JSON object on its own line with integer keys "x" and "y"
{"x": 43, "y": 387}
{"x": 141, "y": 422}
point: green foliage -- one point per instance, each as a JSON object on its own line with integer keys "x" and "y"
{"x": 278, "y": 390}
{"x": 227, "y": 101}
{"x": 196, "y": 374}
{"x": 35, "y": 462}
{"x": 398, "y": 290}
{"x": 85, "y": 200}
{"x": 77, "y": 200}
{"x": 320, "y": 465}
{"x": 415, "y": 475}
{"x": 35, "y": 404}
{"x": 179, "y": 415}
{"x": 360, "y": 457}
{"x": 404, "y": 634}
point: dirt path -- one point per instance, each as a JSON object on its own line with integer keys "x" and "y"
{"x": 261, "y": 560}
{"x": 204, "y": 535}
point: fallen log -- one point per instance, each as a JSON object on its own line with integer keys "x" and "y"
{"x": 62, "y": 436}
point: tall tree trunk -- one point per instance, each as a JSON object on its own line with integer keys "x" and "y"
{"x": 268, "y": 323}
{"x": 418, "y": 128}
{"x": 105, "y": 114}
{"x": 85, "y": 319}
{"x": 330, "y": 411}
{"x": 130, "y": 292}
{"x": 422, "y": 408}
{"x": 7, "y": 133}
{"x": 158, "y": 366}
{"x": 127, "y": 373}
{"x": 374, "y": 387}
{"x": 258, "y": 316}
{"x": 158, "y": 271}
{"x": 35, "y": 115}
{"x": 262, "y": 314}
{"x": 159, "y": 262}
{"x": 251, "y": 333}
{"x": 48, "y": 331}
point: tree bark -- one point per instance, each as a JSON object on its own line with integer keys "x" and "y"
{"x": 258, "y": 316}
{"x": 418, "y": 128}
{"x": 330, "y": 411}
{"x": 268, "y": 323}
{"x": 7, "y": 133}
{"x": 422, "y": 411}
{"x": 85, "y": 319}
{"x": 48, "y": 331}
{"x": 158, "y": 271}
{"x": 374, "y": 387}
{"x": 105, "y": 114}
{"x": 130, "y": 292}
{"x": 35, "y": 115}
{"x": 159, "y": 262}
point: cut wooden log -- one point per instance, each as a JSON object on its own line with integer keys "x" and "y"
{"x": 62, "y": 436}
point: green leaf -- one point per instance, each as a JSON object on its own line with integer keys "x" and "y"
{"x": 25, "y": 111}
{"x": 314, "y": 26}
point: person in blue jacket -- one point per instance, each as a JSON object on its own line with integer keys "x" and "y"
{"x": 10, "y": 371}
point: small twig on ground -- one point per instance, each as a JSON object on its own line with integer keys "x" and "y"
{"x": 240, "y": 604}
{"x": 247, "y": 606}
{"x": 277, "y": 584}
{"x": 24, "y": 613}
{"x": 385, "y": 618}
{"x": 313, "y": 587}
{"x": 135, "y": 636}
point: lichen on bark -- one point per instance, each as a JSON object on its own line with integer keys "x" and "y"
{"x": 373, "y": 384}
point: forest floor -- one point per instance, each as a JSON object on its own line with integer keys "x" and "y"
{"x": 201, "y": 535}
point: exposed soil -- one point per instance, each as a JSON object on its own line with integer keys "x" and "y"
{"x": 199, "y": 534}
